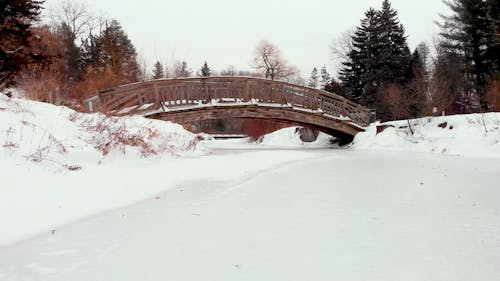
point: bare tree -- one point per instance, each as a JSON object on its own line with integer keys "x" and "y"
{"x": 447, "y": 93}
{"x": 269, "y": 61}
{"x": 425, "y": 54}
{"x": 397, "y": 102}
{"x": 181, "y": 69}
{"x": 296, "y": 78}
{"x": 78, "y": 18}
{"x": 143, "y": 68}
{"x": 229, "y": 71}
{"x": 342, "y": 45}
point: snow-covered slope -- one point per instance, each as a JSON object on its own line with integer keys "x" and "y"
{"x": 58, "y": 166}
{"x": 59, "y": 136}
{"x": 468, "y": 135}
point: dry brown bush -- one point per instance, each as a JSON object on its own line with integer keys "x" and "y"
{"x": 43, "y": 81}
{"x": 94, "y": 80}
{"x": 397, "y": 102}
{"x": 111, "y": 135}
{"x": 495, "y": 90}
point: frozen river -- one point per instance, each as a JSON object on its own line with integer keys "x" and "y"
{"x": 249, "y": 212}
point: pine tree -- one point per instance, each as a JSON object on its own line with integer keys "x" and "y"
{"x": 494, "y": 49}
{"x": 470, "y": 33}
{"x": 325, "y": 78}
{"x": 185, "y": 71}
{"x": 391, "y": 61}
{"x": 394, "y": 53}
{"x": 353, "y": 73}
{"x": 72, "y": 55}
{"x": 158, "y": 72}
{"x": 205, "y": 71}
{"x": 379, "y": 57}
{"x": 112, "y": 51}
{"x": 91, "y": 52}
{"x": 16, "y": 18}
{"x": 313, "y": 80}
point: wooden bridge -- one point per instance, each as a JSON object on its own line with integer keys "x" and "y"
{"x": 188, "y": 100}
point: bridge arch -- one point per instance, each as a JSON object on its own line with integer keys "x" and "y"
{"x": 192, "y": 99}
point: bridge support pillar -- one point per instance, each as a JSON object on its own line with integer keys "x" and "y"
{"x": 307, "y": 134}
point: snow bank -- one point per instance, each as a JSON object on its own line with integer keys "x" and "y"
{"x": 468, "y": 135}
{"x": 290, "y": 137}
{"x": 58, "y": 165}
{"x": 42, "y": 132}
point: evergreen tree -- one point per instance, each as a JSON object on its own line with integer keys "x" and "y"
{"x": 112, "y": 51}
{"x": 470, "y": 33}
{"x": 394, "y": 54}
{"x": 325, "y": 78}
{"x": 91, "y": 52}
{"x": 494, "y": 49}
{"x": 353, "y": 73}
{"x": 379, "y": 57}
{"x": 119, "y": 53}
{"x": 158, "y": 72}
{"x": 185, "y": 70}
{"x": 313, "y": 80}
{"x": 205, "y": 71}
{"x": 16, "y": 18}
{"x": 392, "y": 59}
{"x": 71, "y": 54}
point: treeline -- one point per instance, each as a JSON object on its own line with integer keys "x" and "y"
{"x": 79, "y": 53}
{"x": 76, "y": 54}
{"x": 380, "y": 72}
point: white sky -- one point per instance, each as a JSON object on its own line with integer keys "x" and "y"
{"x": 225, "y": 32}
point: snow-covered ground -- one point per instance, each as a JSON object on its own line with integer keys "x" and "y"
{"x": 466, "y": 135}
{"x": 135, "y": 199}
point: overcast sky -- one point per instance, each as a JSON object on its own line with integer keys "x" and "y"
{"x": 225, "y": 32}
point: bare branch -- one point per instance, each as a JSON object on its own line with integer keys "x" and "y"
{"x": 342, "y": 45}
{"x": 269, "y": 60}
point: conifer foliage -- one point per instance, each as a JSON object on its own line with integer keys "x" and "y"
{"x": 16, "y": 18}
{"x": 108, "y": 59}
{"x": 313, "y": 80}
{"x": 471, "y": 34}
{"x": 324, "y": 78}
{"x": 379, "y": 57}
{"x": 116, "y": 53}
{"x": 158, "y": 72}
{"x": 205, "y": 71}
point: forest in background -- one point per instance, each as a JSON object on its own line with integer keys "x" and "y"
{"x": 78, "y": 53}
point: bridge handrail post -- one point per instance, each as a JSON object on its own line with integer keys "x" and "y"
{"x": 156, "y": 94}
{"x": 344, "y": 108}
{"x": 207, "y": 91}
{"x": 247, "y": 90}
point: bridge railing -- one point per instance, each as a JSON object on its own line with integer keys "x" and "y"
{"x": 174, "y": 93}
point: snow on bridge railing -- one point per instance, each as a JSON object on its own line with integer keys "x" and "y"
{"x": 170, "y": 93}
